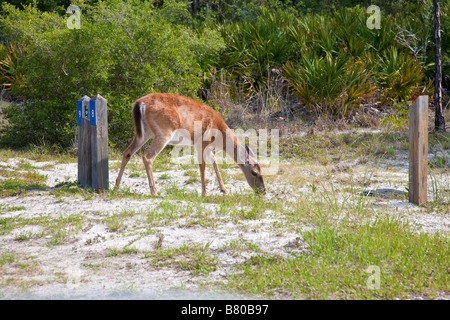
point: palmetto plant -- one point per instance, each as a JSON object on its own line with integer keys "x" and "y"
{"x": 255, "y": 46}
{"x": 9, "y": 76}
{"x": 330, "y": 84}
{"x": 398, "y": 74}
{"x": 314, "y": 35}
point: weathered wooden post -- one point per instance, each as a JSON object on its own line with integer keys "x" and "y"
{"x": 92, "y": 121}
{"x": 84, "y": 143}
{"x": 418, "y": 150}
{"x": 99, "y": 143}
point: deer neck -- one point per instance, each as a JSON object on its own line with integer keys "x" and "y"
{"x": 233, "y": 148}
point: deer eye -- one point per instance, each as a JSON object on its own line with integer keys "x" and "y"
{"x": 254, "y": 173}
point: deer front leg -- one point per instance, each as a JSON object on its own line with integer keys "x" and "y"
{"x": 202, "y": 166}
{"x": 218, "y": 175}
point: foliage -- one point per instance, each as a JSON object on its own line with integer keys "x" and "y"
{"x": 253, "y": 47}
{"x": 445, "y": 43}
{"x": 39, "y": 122}
{"x": 118, "y": 52}
{"x": 43, "y": 5}
{"x": 323, "y": 50}
{"x": 236, "y": 11}
{"x": 332, "y": 61}
{"x": 330, "y": 83}
{"x": 9, "y": 76}
{"x": 399, "y": 75}
{"x": 399, "y": 119}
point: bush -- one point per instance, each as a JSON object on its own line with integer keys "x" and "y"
{"x": 254, "y": 47}
{"x": 129, "y": 48}
{"x": 123, "y": 50}
{"x": 338, "y": 67}
{"x": 43, "y": 5}
{"x": 331, "y": 85}
{"x": 399, "y": 75}
{"x": 36, "y": 122}
{"x": 9, "y": 76}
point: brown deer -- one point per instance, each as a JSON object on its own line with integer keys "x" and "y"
{"x": 173, "y": 119}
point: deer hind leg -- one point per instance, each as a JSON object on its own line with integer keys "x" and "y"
{"x": 135, "y": 145}
{"x": 202, "y": 166}
{"x": 155, "y": 148}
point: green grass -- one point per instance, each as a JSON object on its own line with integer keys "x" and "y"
{"x": 12, "y": 187}
{"x": 345, "y": 236}
{"x": 4, "y": 208}
{"x": 336, "y": 266}
{"x": 59, "y": 230}
{"x": 116, "y": 252}
{"x": 62, "y": 228}
{"x": 20, "y": 180}
{"x": 6, "y": 258}
{"x": 240, "y": 245}
{"x": 197, "y": 259}
{"x": 327, "y": 148}
{"x": 191, "y": 180}
{"x": 24, "y": 235}
{"x": 41, "y": 152}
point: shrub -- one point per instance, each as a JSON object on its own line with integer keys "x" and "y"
{"x": 36, "y": 122}
{"x": 43, "y": 5}
{"x": 341, "y": 61}
{"x": 331, "y": 85}
{"x": 9, "y": 76}
{"x": 399, "y": 75}
{"x": 123, "y": 50}
{"x": 254, "y": 47}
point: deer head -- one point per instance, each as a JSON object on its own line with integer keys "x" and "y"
{"x": 252, "y": 171}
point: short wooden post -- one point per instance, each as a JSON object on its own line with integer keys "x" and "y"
{"x": 84, "y": 143}
{"x": 418, "y": 150}
{"x": 99, "y": 143}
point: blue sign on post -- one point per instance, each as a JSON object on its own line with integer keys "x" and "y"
{"x": 93, "y": 143}
{"x": 79, "y": 112}
{"x": 92, "y": 113}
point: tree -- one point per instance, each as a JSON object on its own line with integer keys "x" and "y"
{"x": 439, "y": 123}
{"x": 43, "y": 5}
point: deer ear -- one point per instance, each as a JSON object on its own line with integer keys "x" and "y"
{"x": 249, "y": 151}
{"x": 242, "y": 155}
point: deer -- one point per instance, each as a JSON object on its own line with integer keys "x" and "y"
{"x": 172, "y": 119}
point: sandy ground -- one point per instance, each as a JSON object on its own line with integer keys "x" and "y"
{"x": 80, "y": 268}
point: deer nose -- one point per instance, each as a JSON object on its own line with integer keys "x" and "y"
{"x": 261, "y": 189}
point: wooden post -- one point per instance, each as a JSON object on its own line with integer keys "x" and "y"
{"x": 84, "y": 143}
{"x": 418, "y": 150}
{"x": 99, "y": 143}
